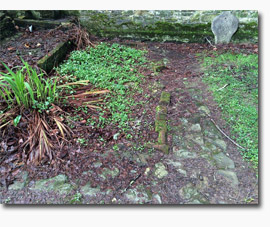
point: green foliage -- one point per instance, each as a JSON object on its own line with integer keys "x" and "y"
{"x": 233, "y": 78}
{"x": 17, "y": 120}
{"x": 76, "y": 199}
{"x": 112, "y": 67}
{"x": 27, "y": 88}
{"x": 82, "y": 141}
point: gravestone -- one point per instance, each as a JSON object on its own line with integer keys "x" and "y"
{"x": 224, "y": 26}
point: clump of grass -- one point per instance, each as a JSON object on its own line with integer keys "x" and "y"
{"x": 24, "y": 90}
{"x": 27, "y": 88}
{"x": 233, "y": 78}
{"x": 113, "y": 67}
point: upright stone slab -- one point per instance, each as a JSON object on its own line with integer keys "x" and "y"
{"x": 224, "y": 26}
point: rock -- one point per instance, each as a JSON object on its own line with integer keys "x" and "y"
{"x": 178, "y": 166}
{"x": 189, "y": 192}
{"x": 165, "y": 98}
{"x": 196, "y": 138}
{"x": 183, "y": 154}
{"x": 195, "y": 128}
{"x": 221, "y": 143}
{"x": 161, "y": 125}
{"x": 162, "y": 137}
{"x": 88, "y": 190}
{"x": 184, "y": 121}
{"x": 21, "y": 182}
{"x": 162, "y": 147}
{"x": 156, "y": 198}
{"x": 89, "y": 172}
{"x": 229, "y": 176}
{"x": 209, "y": 146}
{"x": 143, "y": 158}
{"x": 223, "y": 162}
{"x": 97, "y": 164}
{"x": 160, "y": 171}
{"x": 55, "y": 56}
{"x": 204, "y": 110}
{"x": 210, "y": 130}
{"x": 109, "y": 173}
{"x": 224, "y": 26}
{"x": 147, "y": 170}
{"x": 137, "y": 195}
{"x": 57, "y": 184}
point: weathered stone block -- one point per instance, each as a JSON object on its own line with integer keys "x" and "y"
{"x": 54, "y": 57}
{"x": 162, "y": 137}
{"x": 223, "y": 162}
{"x": 160, "y": 170}
{"x": 160, "y": 125}
{"x": 165, "y": 98}
{"x": 37, "y": 24}
{"x": 161, "y": 112}
{"x": 230, "y": 176}
{"x": 224, "y": 26}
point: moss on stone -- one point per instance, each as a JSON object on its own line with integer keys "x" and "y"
{"x": 165, "y": 98}
{"x": 162, "y": 137}
{"x": 246, "y": 32}
{"x": 54, "y": 57}
{"x": 194, "y": 30}
{"x": 161, "y": 109}
{"x": 40, "y": 24}
{"x": 161, "y": 116}
{"x": 160, "y": 125}
{"x": 163, "y": 147}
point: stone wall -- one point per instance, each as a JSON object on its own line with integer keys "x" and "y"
{"x": 153, "y": 25}
{"x": 165, "y": 25}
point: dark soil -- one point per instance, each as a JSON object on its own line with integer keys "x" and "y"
{"x": 31, "y": 46}
{"x": 75, "y": 159}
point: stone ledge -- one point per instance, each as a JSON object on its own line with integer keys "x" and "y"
{"x": 37, "y": 24}
{"x": 54, "y": 57}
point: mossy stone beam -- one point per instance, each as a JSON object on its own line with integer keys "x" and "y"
{"x": 162, "y": 137}
{"x": 54, "y": 57}
{"x": 161, "y": 112}
{"x": 37, "y": 24}
{"x": 161, "y": 122}
{"x": 160, "y": 125}
{"x": 165, "y": 98}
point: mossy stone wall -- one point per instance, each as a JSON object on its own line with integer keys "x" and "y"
{"x": 165, "y": 25}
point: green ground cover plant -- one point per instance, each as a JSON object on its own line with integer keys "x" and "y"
{"x": 233, "y": 79}
{"x": 113, "y": 67}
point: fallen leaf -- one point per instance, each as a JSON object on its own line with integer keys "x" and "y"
{"x": 11, "y": 48}
{"x": 27, "y": 45}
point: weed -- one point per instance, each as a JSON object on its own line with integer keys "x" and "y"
{"x": 17, "y": 120}
{"x": 76, "y": 198}
{"x": 82, "y": 141}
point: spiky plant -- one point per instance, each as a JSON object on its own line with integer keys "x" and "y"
{"x": 25, "y": 89}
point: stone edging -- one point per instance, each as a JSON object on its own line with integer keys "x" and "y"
{"x": 161, "y": 123}
{"x": 55, "y": 56}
